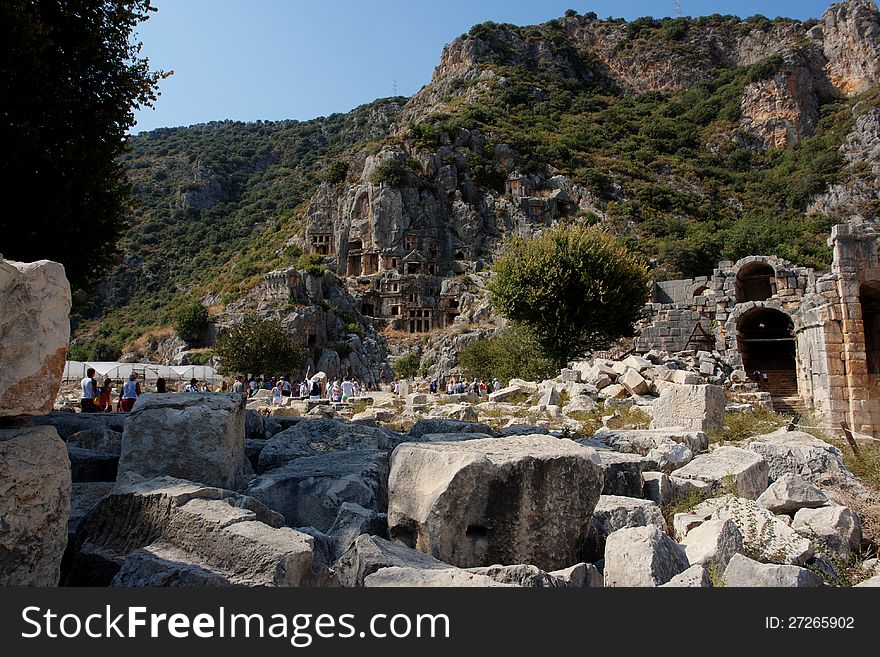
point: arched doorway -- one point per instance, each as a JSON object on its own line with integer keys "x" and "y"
{"x": 754, "y": 282}
{"x": 766, "y": 344}
{"x": 869, "y": 298}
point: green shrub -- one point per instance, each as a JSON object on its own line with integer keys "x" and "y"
{"x": 512, "y": 353}
{"x": 575, "y": 286}
{"x": 336, "y": 172}
{"x": 406, "y": 366}
{"x": 391, "y": 172}
{"x": 190, "y": 321}
{"x": 311, "y": 263}
{"x": 261, "y": 346}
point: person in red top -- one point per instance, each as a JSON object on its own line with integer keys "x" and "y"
{"x": 105, "y": 403}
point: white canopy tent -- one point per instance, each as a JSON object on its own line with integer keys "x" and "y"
{"x": 75, "y": 370}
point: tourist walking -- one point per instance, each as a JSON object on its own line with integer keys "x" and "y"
{"x": 192, "y": 386}
{"x": 347, "y": 389}
{"x": 131, "y": 390}
{"x": 161, "y": 385}
{"x": 238, "y": 386}
{"x": 89, "y": 392}
{"x": 105, "y": 403}
{"x": 286, "y": 388}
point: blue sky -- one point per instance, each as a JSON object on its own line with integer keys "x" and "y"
{"x": 293, "y": 59}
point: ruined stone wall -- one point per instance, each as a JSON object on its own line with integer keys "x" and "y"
{"x": 831, "y": 356}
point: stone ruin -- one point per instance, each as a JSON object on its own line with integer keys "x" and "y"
{"x": 816, "y": 335}
{"x": 197, "y": 490}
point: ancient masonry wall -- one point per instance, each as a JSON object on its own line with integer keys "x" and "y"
{"x": 756, "y": 311}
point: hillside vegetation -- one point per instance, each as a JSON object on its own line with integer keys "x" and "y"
{"x": 671, "y": 172}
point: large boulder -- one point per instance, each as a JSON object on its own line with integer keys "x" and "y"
{"x": 797, "y": 452}
{"x": 34, "y": 331}
{"x": 164, "y": 531}
{"x": 742, "y": 571}
{"x": 696, "y": 576}
{"x": 622, "y": 473}
{"x": 94, "y": 454}
{"x": 320, "y": 436}
{"x": 696, "y": 407}
{"x": 34, "y": 505}
{"x": 517, "y": 500}
{"x": 764, "y": 535}
{"x": 791, "y": 492}
{"x": 743, "y": 469}
{"x": 614, "y": 512}
{"x": 642, "y": 441}
{"x": 522, "y": 575}
{"x": 310, "y": 491}
{"x": 426, "y": 425}
{"x": 713, "y": 542}
{"x": 837, "y": 528}
{"x": 371, "y": 553}
{"x": 67, "y": 424}
{"x": 191, "y": 436}
{"x": 352, "y": 520}
{"x": 397, "y": 576}
{"x": 642, "y": 556}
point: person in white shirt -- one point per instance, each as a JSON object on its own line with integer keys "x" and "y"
{"x": 131, "y": 390}
{"x": 347, "y": 389}
{"x": 89, "y": 391}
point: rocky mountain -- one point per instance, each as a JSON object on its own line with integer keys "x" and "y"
{"x": 693, "y": 139}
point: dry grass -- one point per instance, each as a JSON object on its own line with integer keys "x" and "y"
{"x": 742, "y": 425}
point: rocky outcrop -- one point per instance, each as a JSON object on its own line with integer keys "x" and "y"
{"x": 850, "y": 34}
{"x": 34, "y": 505}
{"x": 192, "y": 436}
{"x": 34, "y": 331}
{"x": 476, "y": 503}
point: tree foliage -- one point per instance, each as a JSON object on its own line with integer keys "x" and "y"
{"x": 512, "y": 353}
{"x": 261, "y": 346}
{"x": 406, "y": 366}
{"x": 190, "y": 320}
{"x": 70, "y": 77}
{"x": 575, "y": 286}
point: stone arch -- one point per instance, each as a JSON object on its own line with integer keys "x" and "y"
{"x": 869, "y": 299}
{"x": 765, "y": 341}
{"x": 755, "y": 281}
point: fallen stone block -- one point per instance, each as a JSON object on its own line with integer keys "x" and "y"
{"x": 634, "y": 382}
{"x": 835, "y": 528}
{"x": 614, "y": 512}
{"x": 521, "y": 575}
{"x": 746, "y": 471}
{"x": 309, "y": 491}
{"x": 369, "y": 554}
{"x": 34, "y": 504}
{"x": 434, "y": 425}
{"x": 316, "y": 437}
{"x": 642, "y": 556}
{"x": 471, "y": 503}
{"x": 176, "y": 529}
{"x": 581, "y": 575}
{"x": 696, "y": 407}
{"x": 742, "y": 571}
{"x": 796, "y": 452}
{"x": 642, "y": 441}
{"x": 35, "y": 325}
{"x": 352, "y": 520}
{"x": 191, "y": 436}
{"x": 657, "y": 487}
{"x": 694, "y": 577}
{"x": 791, "y": 492}
{"x": 91, "y": 465}
{"x": 413, "y": 577}
{"x": 713, "y": 542}
{"x": 763, "y": 534}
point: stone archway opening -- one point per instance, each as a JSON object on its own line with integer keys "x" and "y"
{"x": 869, "y": 298}
{"x": 766, "y": 343}
{"x": 754, "y": 282}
